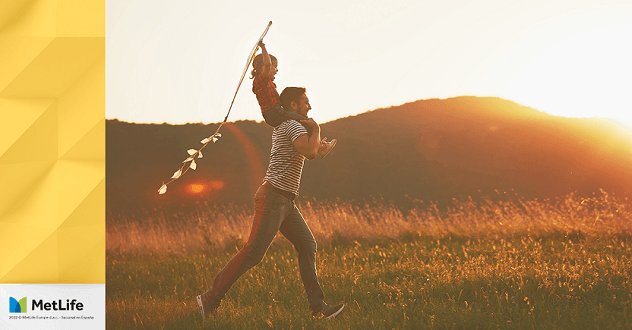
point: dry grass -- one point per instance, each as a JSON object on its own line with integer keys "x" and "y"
{"x": 207, "y": 228}
{"x": 564, "y": 263}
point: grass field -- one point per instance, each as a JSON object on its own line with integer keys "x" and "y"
{"x": 510, "y": 264}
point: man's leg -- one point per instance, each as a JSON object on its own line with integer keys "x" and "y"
{"x": 298, "y": 233}
{"x": 270, "y": 210}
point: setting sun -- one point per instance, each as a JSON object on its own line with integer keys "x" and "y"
{"x": 586, "y": 75}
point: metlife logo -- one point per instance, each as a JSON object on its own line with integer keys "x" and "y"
{"x": 17, "y": 306}
{"x": 52, "y": 306}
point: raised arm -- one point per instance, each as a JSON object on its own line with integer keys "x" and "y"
{"x": 267, "y": 62}
{"x": 308, "y": 144}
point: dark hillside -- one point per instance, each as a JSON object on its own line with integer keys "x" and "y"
{"x": 440, "y": 149}
{"x": 429, "y": 150}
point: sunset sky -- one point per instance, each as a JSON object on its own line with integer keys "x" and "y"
{"x": 180, "y": 61}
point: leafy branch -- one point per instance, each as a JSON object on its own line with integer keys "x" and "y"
{"x": 193, "y": 153}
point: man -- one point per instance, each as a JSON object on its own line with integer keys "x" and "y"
{"x": 265, "y": 68}
{"x": 275, "y": 210}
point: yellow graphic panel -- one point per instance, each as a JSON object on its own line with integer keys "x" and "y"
{"x": 8, "y": 9}
{"x": 33, "y": 18}
{"x": 55, "y": 68}
{"x": 17, "y": 116}
{"x": 52, "y": 141}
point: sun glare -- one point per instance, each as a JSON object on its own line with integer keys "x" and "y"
{"x": 202, "y": 187}
{"x": 217, "y": 185}
{"x": 586, "y": 75}
{"x": 196, "y": 188}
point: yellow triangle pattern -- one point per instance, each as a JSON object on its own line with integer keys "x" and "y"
{"x": 8, "y": 9}
{"x": 37, "y": 142}
{"x": 52, "y": 141}
{"x": 18, "y": 179}
{"x": 17, "y": 116}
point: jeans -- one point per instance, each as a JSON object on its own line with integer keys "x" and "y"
{"x": 273, "y": 213}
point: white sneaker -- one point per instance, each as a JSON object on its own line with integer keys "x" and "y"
{"x": 329, "y": 312}
{"x": 200, "y": 304}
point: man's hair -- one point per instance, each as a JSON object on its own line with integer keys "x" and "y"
{"x": 290, "y": 94}
{"x": 257, "y": 64}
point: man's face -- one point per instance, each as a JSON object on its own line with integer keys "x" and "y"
{"x": 302, "y": 106}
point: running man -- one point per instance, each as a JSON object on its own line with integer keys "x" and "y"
{"x": 275, "y": 210}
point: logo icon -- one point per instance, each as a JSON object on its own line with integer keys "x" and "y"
{"x": 16, "y": 306}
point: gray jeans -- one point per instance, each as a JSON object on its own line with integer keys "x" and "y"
{"x": 273, "y": 213}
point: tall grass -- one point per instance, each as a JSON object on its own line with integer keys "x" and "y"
{"x": 564, "y": 263}
{"x": 207, "y": 228}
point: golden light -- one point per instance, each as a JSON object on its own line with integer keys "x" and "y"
{"x": 203, "y": 187}
{"x": 196, "y": 188}
{"x": 217, "y": 185}
{"x": 586, "y": 75}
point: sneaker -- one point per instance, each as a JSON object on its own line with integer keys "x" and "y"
{"x": 326, "y": 147}
{"x": 205, "y": 307}
{"x": 200, "y": 304}
{"x": 329, "y": 312}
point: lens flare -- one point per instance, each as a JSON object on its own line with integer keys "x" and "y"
{"x": 217, "y": 185}
{"x": 196, "y": 188}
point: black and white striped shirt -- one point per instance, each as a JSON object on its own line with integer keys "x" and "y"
{"x": 286, "y": 163}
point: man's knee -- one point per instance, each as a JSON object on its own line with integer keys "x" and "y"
{"x": 307, "y": 246}
{"x": 253, "y": 256}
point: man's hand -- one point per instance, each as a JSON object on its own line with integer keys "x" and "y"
{"x": 312, "y": 124}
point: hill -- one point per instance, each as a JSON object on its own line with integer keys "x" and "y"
{"x": 432, "y": 150}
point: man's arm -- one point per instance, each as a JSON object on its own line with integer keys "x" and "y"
{"x": 308, "y": 144}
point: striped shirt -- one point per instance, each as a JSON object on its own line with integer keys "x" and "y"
{"x": 286, "y": 163}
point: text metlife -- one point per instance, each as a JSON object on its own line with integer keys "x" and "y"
{"x": 70, "y": 305}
